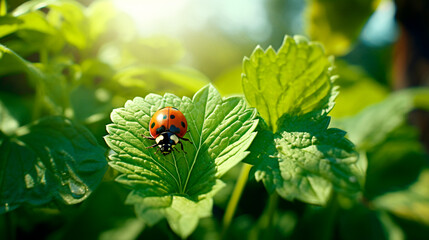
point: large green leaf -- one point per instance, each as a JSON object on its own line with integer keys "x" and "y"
{"x": 295, "y": 153}
{"x": 179, "y": 186}
{"x": 52, "y": 159}
{"x": 305, "y": 160}
{"x": 34, "y": 21}
{"x": 371, "y": 126}
{"x": 295, "y": 80}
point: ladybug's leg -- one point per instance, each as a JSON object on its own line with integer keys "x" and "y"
{"x": 181, "y": 145}
{"x": 151, "y": 138}
{"x": 156, "y": 144}
{"x": 185, "y": 139}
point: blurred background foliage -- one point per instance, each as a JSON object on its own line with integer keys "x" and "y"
{"x": 80, "y": 59}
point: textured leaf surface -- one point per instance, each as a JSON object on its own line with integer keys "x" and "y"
{"x": 295, "y": 80}
{"x": 50, "y": 159}
{"x": 295, "y": 153}
{"x": 179, "y": 186}
{"x": 306, "y": 161}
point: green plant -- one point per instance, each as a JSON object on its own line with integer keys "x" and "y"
{"x": 78, "y": 90}
{"x": 179, "y": 186}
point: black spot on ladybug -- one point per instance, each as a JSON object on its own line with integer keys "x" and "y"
{"x": 153, "y": 125}
{"x": 164, "y": 116}
{"x": 183, "y": 124}
{"x": 174, "y": 129}
{"x": 160, "y": 129}
{"x": 172, "y": 116}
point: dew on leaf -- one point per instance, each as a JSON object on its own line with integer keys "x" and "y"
{"x": 77, "y": 189}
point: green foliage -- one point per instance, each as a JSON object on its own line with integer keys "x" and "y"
{"x": 371, "y": 126}
{"x": 411, "y": 203}
{"x": 296, "y": 80}
{"x": 60, "y": 53}
{"x": 296, "y": 154}
{"x": 358, "y": 90}
{"x": 179, "y": 186}
{"x": 53, "y": 158}
{"x": 11, "y": 63}
{"x": 360, "y": 172}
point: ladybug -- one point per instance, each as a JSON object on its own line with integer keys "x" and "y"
{"x": 167, "y": 127}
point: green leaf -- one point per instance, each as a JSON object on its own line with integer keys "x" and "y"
{"x": 411, "y": 203}
{"x": 52, "y": 159}
{"x": 374, "y": 123}
{"x": 94, "y": 222}
{"x": 401, "y": 149}
{"x": 10, "y": 62}
{"x": 69, "y": 18}
{"x": 336, "y": 24}
{"x": 33, "y": 5}
{"x": 358, "y": 90}
{"x": 307, "y": 161}
{"x": 295, "y": 80}
{"x": 8, "y": 25}
{"x": 35, "y": 21}
{"x": 14, "y": 112}
{"x": 179, "y": 186}
{"x": 66, "y": 16}
{"x": 295, "y": 153}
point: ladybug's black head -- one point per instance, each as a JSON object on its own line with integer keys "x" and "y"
{"x": 166, "y": 141}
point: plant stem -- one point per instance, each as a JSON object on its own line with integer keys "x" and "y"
{"x": 271, "y": 209}
{"x": 265, "y": 223}
{"x": 235, "y": 197}
{"x": 3, "y": 8}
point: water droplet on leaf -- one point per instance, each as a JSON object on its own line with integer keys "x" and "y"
{"x": 77, "y": 189}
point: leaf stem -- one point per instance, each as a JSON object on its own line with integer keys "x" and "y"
{"x": 235, "y": 197}
{"x": 3, "y": 8}
{"x": 271, "y": 209}
{"x": 264, "y": 227}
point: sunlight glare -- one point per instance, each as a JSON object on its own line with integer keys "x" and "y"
{"x": 152, "y": 16}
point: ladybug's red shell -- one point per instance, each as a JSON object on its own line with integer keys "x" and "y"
{"x": 168, "y": 119}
